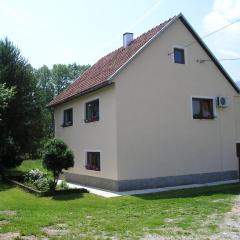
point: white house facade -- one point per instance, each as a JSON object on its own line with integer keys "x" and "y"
{"x": 160, "y": 111}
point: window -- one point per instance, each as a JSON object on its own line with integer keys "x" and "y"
{"x": 93, "y": 161}
{"x": 179, "y": 55}
{"x": 67, "y": 117}
{"x": 92, "y": 111}
{"x": 202, "y": 108}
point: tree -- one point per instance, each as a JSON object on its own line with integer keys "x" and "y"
{"x": 21, "y": 124}
{"x": 57, "y": 156}
{"x": 6, "y": 94}
{"x": 7, "y": 150}
{"x": 51, "y": 82}
{"x": 63, "y": 75}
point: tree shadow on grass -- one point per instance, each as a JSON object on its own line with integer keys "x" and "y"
{"x": 66, "y": 197}
{"x": 4, "y": 186}
{"x": 227, "y": 189}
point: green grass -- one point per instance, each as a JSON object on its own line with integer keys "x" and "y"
{"x": 193, "y": 212}
{"x": 26, "y": 166}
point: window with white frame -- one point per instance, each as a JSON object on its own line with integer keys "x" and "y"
{"x": 179, "y": 55}
{"x": 202, "y": 108}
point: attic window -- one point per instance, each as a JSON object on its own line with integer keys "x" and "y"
{"x": 179, "y": 55}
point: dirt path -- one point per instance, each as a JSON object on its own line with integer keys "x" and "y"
{"x": 230, "y": 227}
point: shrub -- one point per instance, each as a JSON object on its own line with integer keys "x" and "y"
{"x": 57, "y": 156}
{"x": 38, "y": 180}
{"x": 63, "y": 185}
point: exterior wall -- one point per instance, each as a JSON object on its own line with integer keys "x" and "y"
{"x": 95, "y": 136}
{"x": 146, "y": 134}
{"x": 156, "y": 134}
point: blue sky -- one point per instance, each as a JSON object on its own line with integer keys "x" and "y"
{"x": 82, "y": 31}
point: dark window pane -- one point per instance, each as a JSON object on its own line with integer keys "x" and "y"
{"x": 202, "y": 108}
{"x": 93, "y": 161}
{"x": 179, "y": 55}
{"x": 68, "y": 117}
{"x": 92, "y": 111}
{"x": 196, "y": 108}
{"x": 207, "y": 108}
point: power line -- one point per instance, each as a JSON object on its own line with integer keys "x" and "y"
{"x": 216, "y": 31}
{"x": 221, "y": 59}
{"x": 210, "y": 34}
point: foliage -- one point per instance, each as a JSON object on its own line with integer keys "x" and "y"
{"x": 6, "y": 95}
{"x": 56, "y": 157}
{"x": 63, "y": 185}
{"x": 25, "y": 123}
{"x": 50, "y": 82}
{"x": 38, "y": 180}
{"x": 9, "y": 155}
{"x": 20, "y": 124}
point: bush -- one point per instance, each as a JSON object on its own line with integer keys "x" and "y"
{"x": 57, "y": 156}
{"x": 63, "y": 185}
{"x": 9, "y": 156}
{"x": 38, "y": 180}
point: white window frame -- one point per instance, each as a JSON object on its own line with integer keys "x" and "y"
{"x": 214, "y": 107}
{"x": 84, "y": 109}
{"x": 185, "y": 54}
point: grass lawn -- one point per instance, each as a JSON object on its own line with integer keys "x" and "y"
{"x": 26, "y": 166}
{"x": 188, "y": 214}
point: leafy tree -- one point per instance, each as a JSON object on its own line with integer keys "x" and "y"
{"x": 63, "y": 75}
{"x": 7, "y": 150}
{"x": 21, "y": 124}
{"x": 57, "y": 156}
{"x": 6, "y": 94}
{"x": 51, "y": 82}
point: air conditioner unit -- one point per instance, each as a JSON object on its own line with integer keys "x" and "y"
{"x": 223, "y": 101}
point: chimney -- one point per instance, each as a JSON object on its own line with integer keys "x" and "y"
{"x": 127, "y": 39}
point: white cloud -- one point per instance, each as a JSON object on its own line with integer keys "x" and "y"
{"x": 225, "y": 43}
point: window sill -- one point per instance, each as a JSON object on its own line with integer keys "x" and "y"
{"x": 179, "y": 62}
{"x": 66, "y": 125}
{"x": 92, "y": 168}
{"x": 204, "y": 118}
{"x": 91, "y": 120}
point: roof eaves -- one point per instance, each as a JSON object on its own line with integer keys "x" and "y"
{"x": 92, "y": 89}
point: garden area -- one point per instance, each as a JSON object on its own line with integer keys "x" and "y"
{"x": 183, "y": 214}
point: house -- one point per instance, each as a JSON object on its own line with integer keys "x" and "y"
{"x": 153, "y": 113}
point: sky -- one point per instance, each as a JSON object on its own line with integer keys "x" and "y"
{"x": 66, "y": 31}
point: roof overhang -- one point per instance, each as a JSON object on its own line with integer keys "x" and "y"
{"x": 89, "y": 90}
{"x": 194, "y": 34}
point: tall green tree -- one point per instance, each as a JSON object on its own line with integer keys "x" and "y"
{"x": 6, "y": 94}
{"x": 50, "y": 82}
{"x": 21, "y": 121}
{"x": 63, "y": 75}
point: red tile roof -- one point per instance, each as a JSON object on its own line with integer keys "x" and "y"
{"x": 97, "y": 75}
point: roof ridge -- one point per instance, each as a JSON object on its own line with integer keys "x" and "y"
{"x": 116, "y": 50}
{"x": 106, "y": 66}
